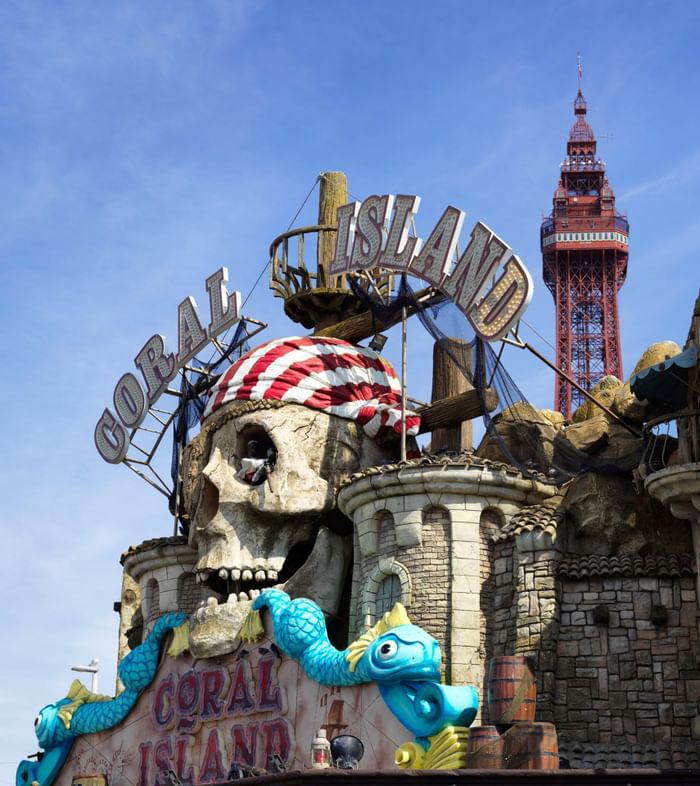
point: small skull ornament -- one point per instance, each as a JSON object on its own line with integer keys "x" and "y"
{"x": 284, "y": 531}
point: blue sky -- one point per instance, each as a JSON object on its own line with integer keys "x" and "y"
{"x": 144, "y": 145}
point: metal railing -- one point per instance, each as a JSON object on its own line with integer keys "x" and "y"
{"x": 289, "y": 277}
{"x": 672, "y": 439}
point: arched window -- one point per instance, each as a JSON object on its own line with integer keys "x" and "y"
{"x": 187, "y": 593}
{"x": 490, "y": 524}
{"x": 152, "y": 601}
{"x": 388, "y": 593}
{"x": 389, "y": 583}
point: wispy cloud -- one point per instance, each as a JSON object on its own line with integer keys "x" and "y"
{"x": 681, "y": 173}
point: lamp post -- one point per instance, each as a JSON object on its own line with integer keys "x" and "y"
{"x": 92, "y": 668}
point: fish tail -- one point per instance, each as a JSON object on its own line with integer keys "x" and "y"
{"x": 138, "y": 668}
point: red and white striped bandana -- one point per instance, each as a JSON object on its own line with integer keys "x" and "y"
{"x": 323, "y": 373}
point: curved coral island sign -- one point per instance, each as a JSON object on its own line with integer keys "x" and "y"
{"x": 486, "y": 281}
{"x": 375, "y": 233}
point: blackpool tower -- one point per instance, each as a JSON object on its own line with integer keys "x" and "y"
{"x": 584, "y": 262}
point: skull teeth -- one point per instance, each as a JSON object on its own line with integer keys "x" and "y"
{"x": 234, "y": 597}
{"x": 237, "y": 574}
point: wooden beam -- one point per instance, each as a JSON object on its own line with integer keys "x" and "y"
{"x": 364, "y": 325}
{"x": 453, "y": 410}
{"x": 332, "y": 193}
{"x": 450, "y": 357}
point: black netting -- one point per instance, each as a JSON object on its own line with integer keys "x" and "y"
{"x": 194, "y": 386}
{"x": 515, "y": 431}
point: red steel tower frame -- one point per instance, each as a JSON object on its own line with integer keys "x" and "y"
{"x": 585, "y": 246}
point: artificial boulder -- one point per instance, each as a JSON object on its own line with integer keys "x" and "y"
{"x": 604, "y": 515}
{"x": 656, "y": 353}
{"x": 598, "y": 444}
{"x": 604, "y": 392}
{"x": 522, "y": 434}
{"x": 627, "y": 406}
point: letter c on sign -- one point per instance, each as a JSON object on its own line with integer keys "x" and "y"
{"x": 110, "y": 438}
{"x": 163, "y": 712}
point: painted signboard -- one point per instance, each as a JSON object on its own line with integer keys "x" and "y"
{"x": 198, "y": 717}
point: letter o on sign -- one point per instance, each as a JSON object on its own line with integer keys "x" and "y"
{"x": 130, "y": 401}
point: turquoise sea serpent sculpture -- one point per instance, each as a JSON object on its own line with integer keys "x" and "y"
{"x": 84, "y": 712}
{"x": 400, "y": 657}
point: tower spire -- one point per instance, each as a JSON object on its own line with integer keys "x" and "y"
{"x": 584, "y": 262}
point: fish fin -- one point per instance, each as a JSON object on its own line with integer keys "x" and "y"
{"x": 252, "y": 629}
{"x": 76, "y": 689}
{"x": 397, "y": 616}
{"x": 409, "y": 756}
{"x": 78, "y": 695}
{"x": 181, "y": 639}
{"x": 448, "y": 749}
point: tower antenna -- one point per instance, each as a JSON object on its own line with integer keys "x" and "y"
{"x": 580, "y": 75}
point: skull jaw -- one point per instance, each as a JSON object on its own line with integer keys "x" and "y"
{"x": 214, "y": 626}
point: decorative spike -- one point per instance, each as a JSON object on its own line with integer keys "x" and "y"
{"x": 252, "y": 629}
{"x": 181, "y": 640}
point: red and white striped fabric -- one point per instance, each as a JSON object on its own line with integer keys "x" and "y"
{"x": 324, "y": 373}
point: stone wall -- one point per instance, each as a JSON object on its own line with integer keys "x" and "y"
{"x": 628, "y": 660}
{"x": 163, "y": 569}
{"x": 427, "y": 564}
{"x": 501, "y": 627}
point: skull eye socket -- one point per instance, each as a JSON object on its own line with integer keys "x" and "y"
{"x": 257, "y": 455}
{"x": 255, "y": 443}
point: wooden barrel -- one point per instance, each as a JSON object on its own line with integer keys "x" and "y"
{"x": 511, "y": 690}
{"x": 531, "y": 746}
{"x": 485, "y": 749}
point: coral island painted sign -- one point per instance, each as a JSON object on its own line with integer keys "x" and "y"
{"x": 199, "y": 717}
{"x": 246, "y": 695}
{"x": 259, "y": 707}
{"x": 374, "y": 233}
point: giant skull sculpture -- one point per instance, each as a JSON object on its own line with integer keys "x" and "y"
{"x": 315, "y": 405}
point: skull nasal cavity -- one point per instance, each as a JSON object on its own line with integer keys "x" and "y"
{"x": 208, "y": 500}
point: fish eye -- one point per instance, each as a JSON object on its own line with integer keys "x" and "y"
{"x": 37, "y": 721}
{"x": 387, "y": 650}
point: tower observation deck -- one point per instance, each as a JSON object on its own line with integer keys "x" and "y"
{"x": 585, "y": 244}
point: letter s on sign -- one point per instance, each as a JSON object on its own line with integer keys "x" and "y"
{"x": 111, "y": 440}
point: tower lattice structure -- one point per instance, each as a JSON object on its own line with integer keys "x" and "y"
{"x": 585, "y": 244}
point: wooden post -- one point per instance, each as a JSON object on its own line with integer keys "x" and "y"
{"x": 333, "y": 193}
{"x": 449, "y": 380}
